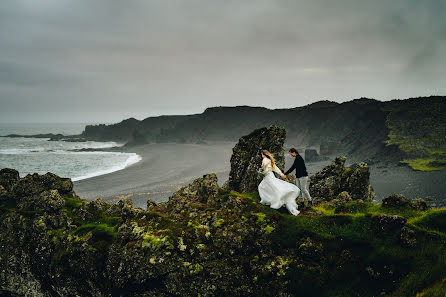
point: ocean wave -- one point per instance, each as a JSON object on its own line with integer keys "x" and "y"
{"x": 28, "y": 147}
{"x": 20, "y": 151}
{"x": 132, "y": 159}
{"x": 94, "y": 145}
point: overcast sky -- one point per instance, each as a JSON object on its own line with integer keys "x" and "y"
{"x": 106, "y": 60}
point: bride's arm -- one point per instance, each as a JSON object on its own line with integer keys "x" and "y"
{"x": 264, "y": 164}
{"x": 277, "y": 170}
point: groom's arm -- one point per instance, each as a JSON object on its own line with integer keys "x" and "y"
{"x": 292, "y": 167}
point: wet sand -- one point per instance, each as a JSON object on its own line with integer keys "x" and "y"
{"x": 165, "y": 168}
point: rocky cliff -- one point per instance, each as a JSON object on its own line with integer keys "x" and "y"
{"x": 207, "y": 241}
{"x": 411, "y": 130}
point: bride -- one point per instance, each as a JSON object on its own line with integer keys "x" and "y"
{"x": 276, "y": 192}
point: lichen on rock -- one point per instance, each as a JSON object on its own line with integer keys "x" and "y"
{"x": 209, "y": 241}
{"x": 328, "y": 184}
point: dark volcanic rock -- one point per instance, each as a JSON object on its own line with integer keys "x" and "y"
{"x": 33, "y": 184}
{"x": 8, "y": 178}
{"x": 201, "y": 190}
{"x": 311, "y": 155}
{"x": 407, "y": 237}
{"x": 246, "y": 158}
{"x": 395, "y": 200}
{"x": 398, "y": 200}
{"x": 388, "y": 222}
{"x": 330, "y": 148}
{"x": 204, "y": 241}
{"x": 333, "y": 179}
{"x": 356, "y": 181}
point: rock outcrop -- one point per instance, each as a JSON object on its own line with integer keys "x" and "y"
{"x": 246, "y": 158}
{"x": 399, "y": 201}
{"x": 311, "y": 155}
{"x": 334, "y": 179}
{"x": 208, "y": 241}
{"x": 205, "y": 241}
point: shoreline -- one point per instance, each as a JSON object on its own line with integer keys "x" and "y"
{"x": 165, "y": 167}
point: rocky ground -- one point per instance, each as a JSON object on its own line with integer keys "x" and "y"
{"x": 213, "y": 241}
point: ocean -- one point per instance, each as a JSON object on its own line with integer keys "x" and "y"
{"x": 38, "y": 155}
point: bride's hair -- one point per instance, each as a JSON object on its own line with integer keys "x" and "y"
{"x": 269, "y": 156}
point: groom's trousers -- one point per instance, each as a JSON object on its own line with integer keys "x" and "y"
{"x": 302, "y": 183}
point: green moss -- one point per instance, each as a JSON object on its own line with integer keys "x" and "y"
{"x": 72, "y": 202}
{"x": 437, "y": 290}
{"x": 219, "y": 222}
{"x": 347, "y": 172}
{"x": 434, "y": 219}
{"x": 195, "y": 268}
{"x": 260, "y": 217}
{"x": 156, "y": 242}
{"x": 98, "y": 229}
{"x": 59, "y": 257}
{"x": 269, "y": 229}
{"x": 254, "y": 196}
{"x": 426, "y": 164}
{"x": 418, "y": 128}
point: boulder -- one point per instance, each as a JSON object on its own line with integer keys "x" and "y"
{"x": 395, "y": 200}
{"x": 420, "y": 204}
{"x": 8, "y": 178}
{"x": 311, "y": 155}
{"x": 327, "y": 184}
{"x": 125, "y": 209}
{"x": 204, "y": 190}
{"x": 246, "y": 158}
{"x": 341, "y": 199}
{"x": 385, "y": 222}
{"x": 398, "y": 200}
{"x": 357, "y": 182}
{"x": 328, "y": 148}
{"x": 34, "y": 184}
{"x": 408, "y": 237}
{"x": 3, "y": 193}
{"x": 48, "y": 201}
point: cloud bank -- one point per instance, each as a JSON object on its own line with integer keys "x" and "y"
{"x": 103, "y": 60}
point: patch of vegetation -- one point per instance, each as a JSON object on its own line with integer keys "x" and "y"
{"x": 358, "y": 257}
{"x": 418, "y": 128}
{"x": 434, "y": 219}
{"x": 72, "y": 202}
{"x": 426, "y": 164}
{"x": 437, "y": 290}
{"x": 98, "y": 229}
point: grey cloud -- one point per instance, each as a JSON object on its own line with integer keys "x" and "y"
{"x": 178, "y": 56}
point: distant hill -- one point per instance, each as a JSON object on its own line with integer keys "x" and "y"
{"x": 411, "y": 130}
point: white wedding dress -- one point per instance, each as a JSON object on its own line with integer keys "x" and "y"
{"x": 276, "y": 192}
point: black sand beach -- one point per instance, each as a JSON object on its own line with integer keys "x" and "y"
{"x": 166, "y": 167}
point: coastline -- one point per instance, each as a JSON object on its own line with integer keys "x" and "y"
{"x": 166, "y": 167}
{"x": 163, "y": 169}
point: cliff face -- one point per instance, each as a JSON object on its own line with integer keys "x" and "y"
{"x": 362, "y": 129}
{"x": 207, "y": 241}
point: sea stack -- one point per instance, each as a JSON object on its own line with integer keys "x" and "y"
{"x": 246, "y": 159}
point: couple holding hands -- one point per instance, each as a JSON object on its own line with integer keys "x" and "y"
{"x": 276, "y": 192}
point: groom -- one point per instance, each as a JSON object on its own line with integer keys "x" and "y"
{"x": 301, "y": 175}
